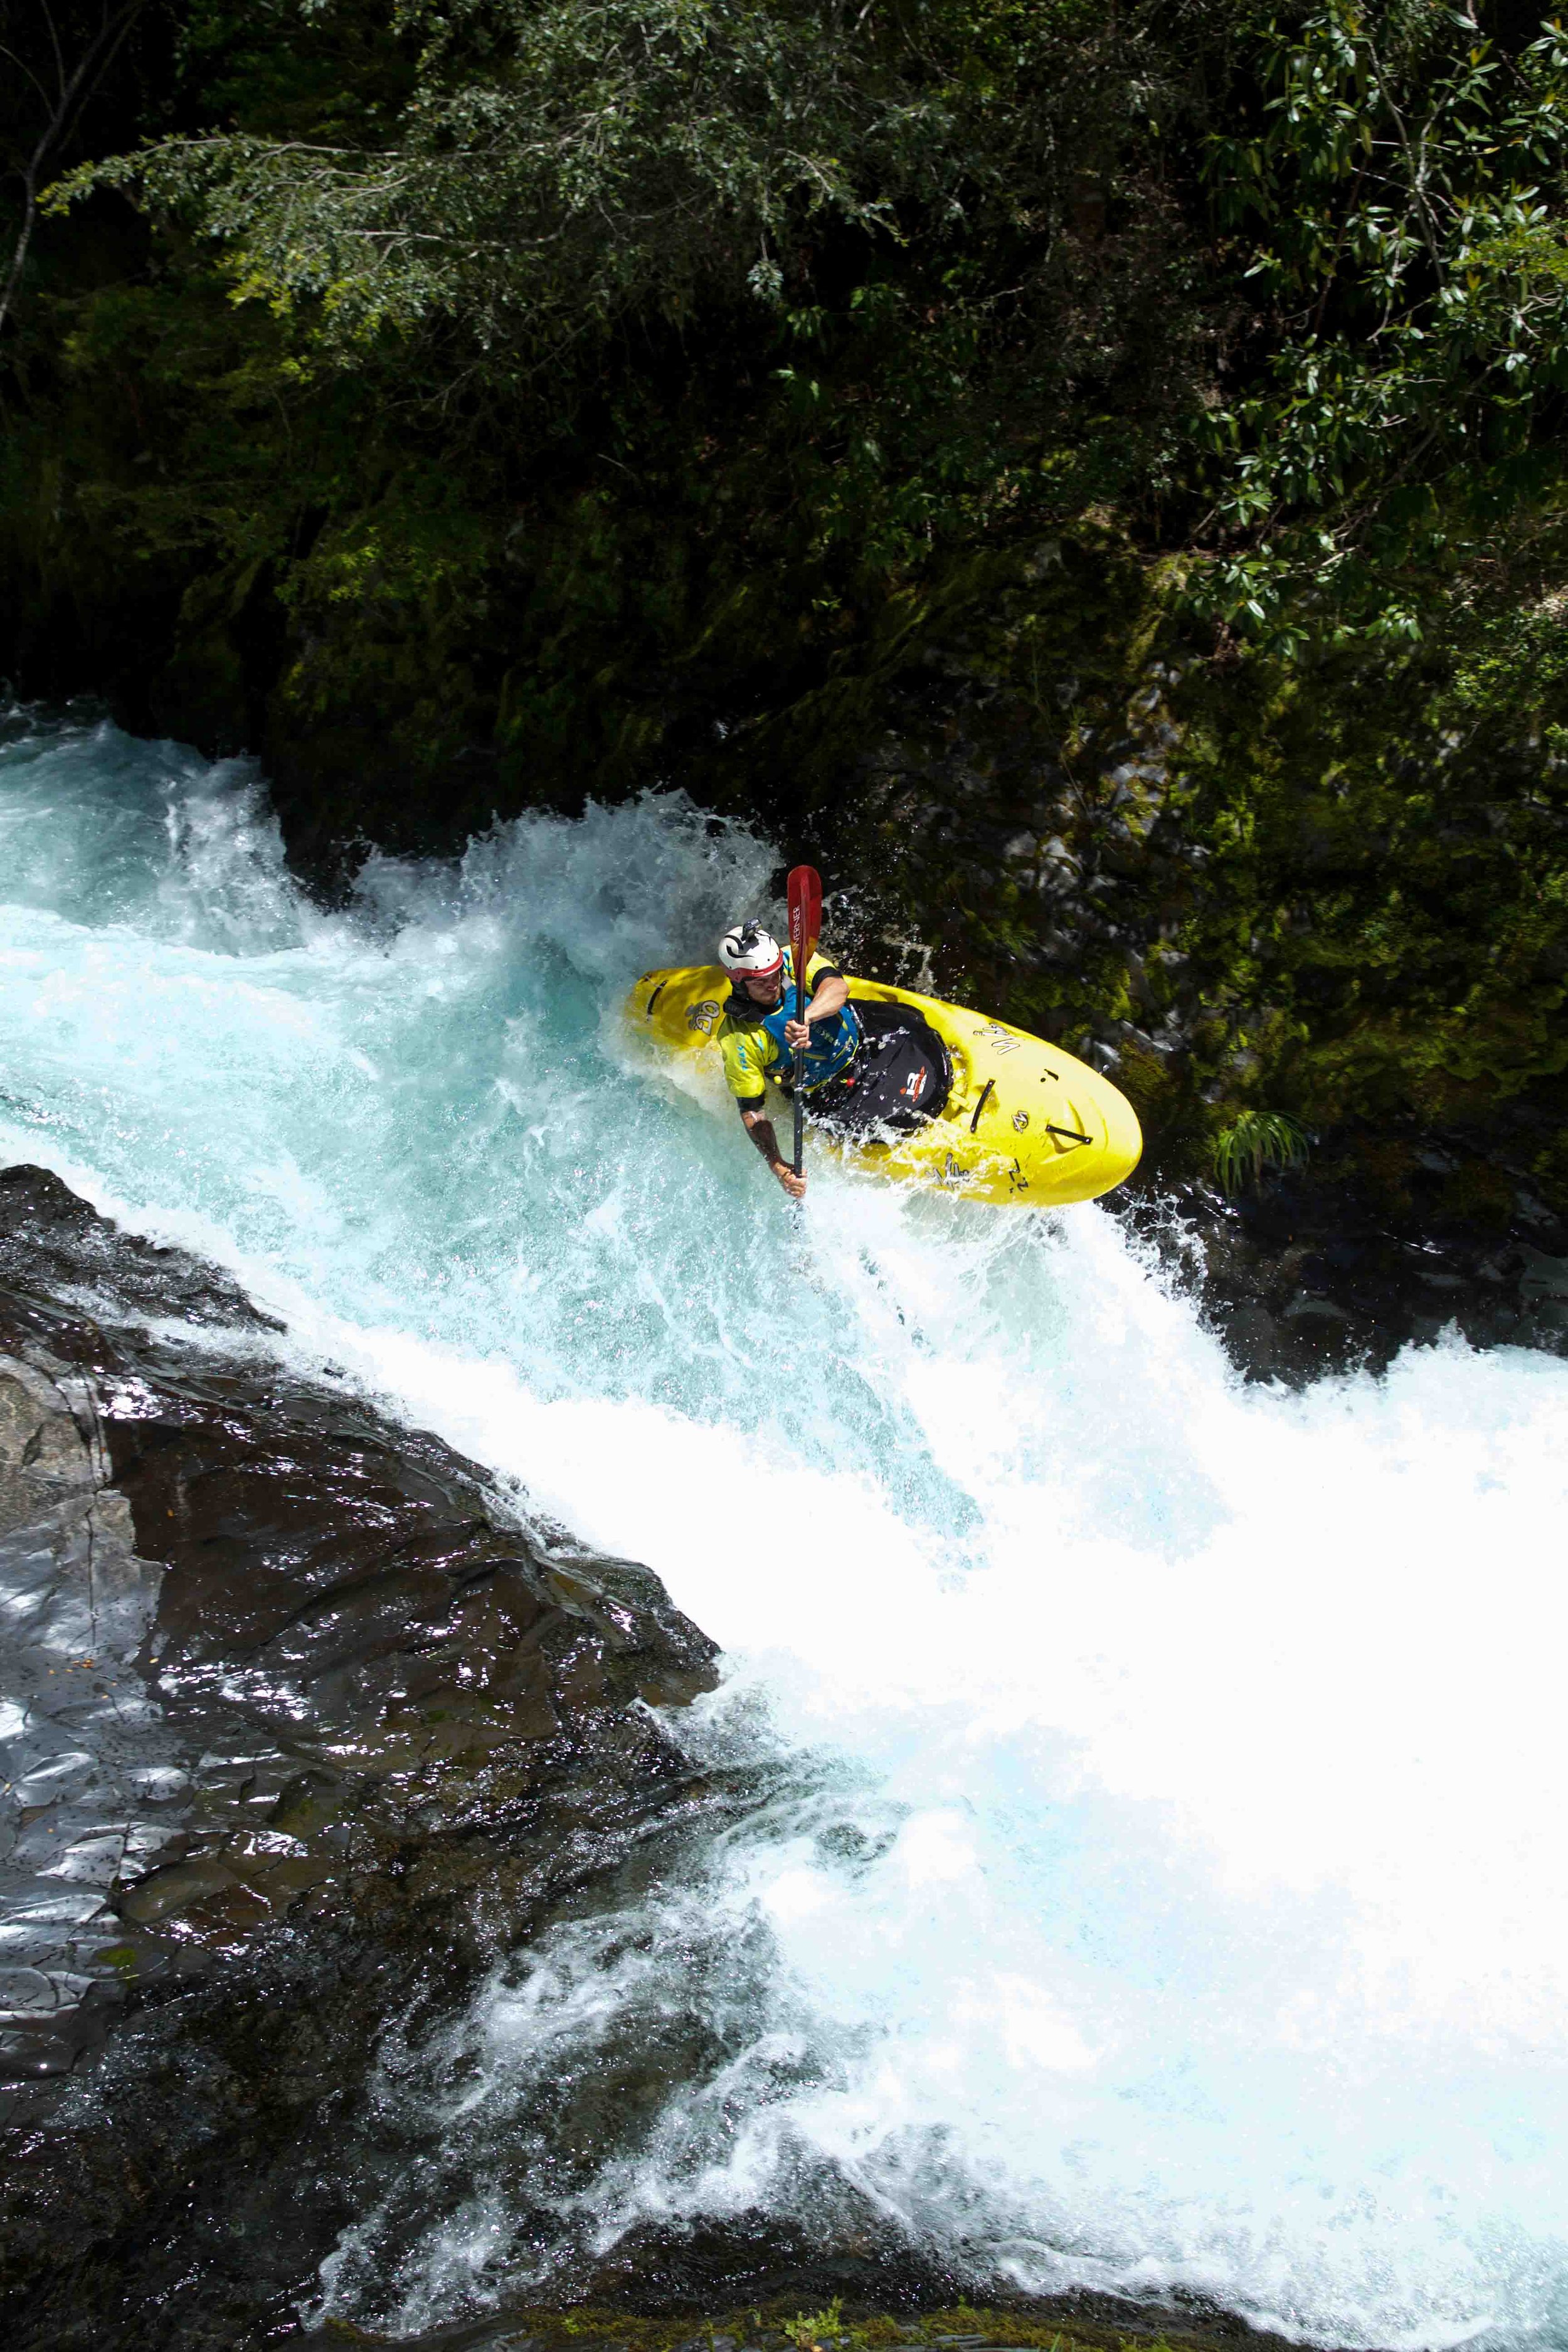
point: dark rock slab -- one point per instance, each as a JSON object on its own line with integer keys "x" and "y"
{"x": 55, "y": 1246}
{"x": 1316, "y": 1272}
{"x": 298, "y": 1723}
{"x": 87, "y": 1768}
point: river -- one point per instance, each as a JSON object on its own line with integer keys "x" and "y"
{"x": 1165, "y": 1879}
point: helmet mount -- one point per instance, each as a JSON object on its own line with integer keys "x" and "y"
{"x": 748, "y": 953}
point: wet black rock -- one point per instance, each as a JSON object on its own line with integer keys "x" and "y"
{"x": 1319, "y": 1271}
{"x": 55, "y": 1246}
{"x": 301, "y": 1724}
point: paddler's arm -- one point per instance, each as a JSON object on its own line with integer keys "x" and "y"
{"x": 832, "y": 995}
{"x": 760, "y": 1127}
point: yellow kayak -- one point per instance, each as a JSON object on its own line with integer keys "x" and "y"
{"x": 1023, "y": 1121}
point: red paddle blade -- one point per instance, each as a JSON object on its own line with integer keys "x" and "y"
{"x": 805, "y": 914}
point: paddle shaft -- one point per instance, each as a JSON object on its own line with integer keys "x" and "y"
{"x": 805, "y": 918}
{"x": 799, "y": 1080}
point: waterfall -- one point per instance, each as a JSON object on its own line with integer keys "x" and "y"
{"x": 1159, "y": 1876}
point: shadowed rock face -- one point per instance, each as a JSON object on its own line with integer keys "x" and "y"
{"x": 1302, "y": 1278}
{"x": 299, "y": 1724}
{"x": 85, "y": 1759}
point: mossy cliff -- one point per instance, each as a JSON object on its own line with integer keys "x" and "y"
{"x": 907, "y": 550}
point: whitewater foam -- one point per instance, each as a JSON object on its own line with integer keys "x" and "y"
{"x": 1165, "y": 1881}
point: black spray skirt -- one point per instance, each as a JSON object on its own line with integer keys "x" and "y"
{"x": 898, "y": 1080}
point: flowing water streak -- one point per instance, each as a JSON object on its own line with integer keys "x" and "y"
{"x": 1166, "y": 1879}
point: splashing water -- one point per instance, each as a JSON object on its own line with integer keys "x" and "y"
{"x": 1164, "y": 1879}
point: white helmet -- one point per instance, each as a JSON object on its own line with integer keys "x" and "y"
{"x": 749, "y": 952}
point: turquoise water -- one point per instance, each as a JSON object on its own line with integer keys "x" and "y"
{"x": 1167, "y": 1882}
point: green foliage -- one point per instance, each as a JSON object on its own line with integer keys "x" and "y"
{"x": 554, "y": 169}
{"x": 1383, "y": 926}
{"x": 1256, "y": 1143}
{"x": 803, "y": 265}
{"x": 811, "y": 2329}
{"x": 1402, "y": 188}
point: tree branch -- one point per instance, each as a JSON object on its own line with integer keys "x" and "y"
{"x": 75, "y": 90}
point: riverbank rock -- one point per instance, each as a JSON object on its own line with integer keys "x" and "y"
{"x": 300, "y": 1724}
{"x": 1322, "y": 1271}
{"x": 1078, "y": 2322}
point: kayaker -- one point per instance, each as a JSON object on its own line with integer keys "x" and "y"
{"x": 759, "y": 1033}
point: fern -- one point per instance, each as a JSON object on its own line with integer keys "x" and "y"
{"x": 1256, "y": 1144}
{"x": 811, "y": 2329}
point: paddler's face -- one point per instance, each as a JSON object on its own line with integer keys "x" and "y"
{"x": 764, "y": 988}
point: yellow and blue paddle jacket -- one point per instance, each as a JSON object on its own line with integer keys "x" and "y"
{"x": 752, "y": 1036}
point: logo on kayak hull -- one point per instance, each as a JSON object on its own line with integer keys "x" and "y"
{"x": 1000, "y": 1040}
{"x": 703, "y": 1016}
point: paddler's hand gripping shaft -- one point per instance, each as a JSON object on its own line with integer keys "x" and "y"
{"x": 805, "y": 928}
